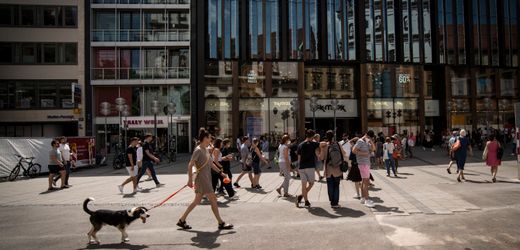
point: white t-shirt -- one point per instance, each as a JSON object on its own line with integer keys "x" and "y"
{"x": 139, "y": 154}
{"x": 281, "y": 157}
{"x": 388, "y": 148}
{"x": 346, "y": 147}
{"x": 65, "y": 151}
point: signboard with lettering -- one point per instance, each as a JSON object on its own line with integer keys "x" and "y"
{"x": 138, "y": 122}
{"x": 431, "y": 108}
{"x": 346, "y": 108}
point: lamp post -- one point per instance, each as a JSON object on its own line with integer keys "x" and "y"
{"x": 120, "y": 102}
{"x": 171, "y": 108}
{"x": 334, "y": 102}
{"x": 314, "y": 106}
{"x": 294, "y": 112}
{"x": 125, "y": 113}
{"x": 155, "y": 111}
{"x": 105, "y": 111}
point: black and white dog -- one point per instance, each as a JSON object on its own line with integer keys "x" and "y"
{"x": 119, "y": 219}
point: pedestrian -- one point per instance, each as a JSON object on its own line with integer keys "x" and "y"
{"x": 148, "y": 160}
{"x": 216, "y": 157}
{"x": 492, "y": 155}
{"x": 73, "y": 156}
{"x": 227, "y": 157}
{"x": 56, "y": 165}
{"x": 202, "y": 161}
{"x": 404, "y": 148}
{"x": 307, "y": 158}
{"x": 65, "y": 155}
{"x": 353, "y": 171}
{"x": 131, "y": 165}
{"x": 410, "y": 145}
{"x": 284, "y": 161}
{"x": 319, "y": 163}
{"x": 363, "y": 149}
{"x": 388, "y": 149}
{"x": 452, "y": 141}
{"x": 256, "y": 158}
{"x": 264, "y": 144}
{"x": 379, "y": 151}
{"x": 461, "y": 148}
{"x": 397, "y": 152}
{"x": 333, "y": 156}
{"x": 293, "y": 152}
{"x": 245, "y": 157}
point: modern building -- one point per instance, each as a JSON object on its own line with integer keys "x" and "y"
{"x": 140, "y": 51}
{"x": 42, "y": 70}
{"x": 386, "y": 65}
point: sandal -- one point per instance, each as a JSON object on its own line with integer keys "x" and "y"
{"x": 224, "y": 226}
{"x": 183, "y": 225}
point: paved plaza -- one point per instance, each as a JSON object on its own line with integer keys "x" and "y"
{"x": 424, "y": 208}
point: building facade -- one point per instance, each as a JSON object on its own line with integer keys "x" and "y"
{"x": 42, "y": 70}
{"x": 386, "y": 65}
{"x": 140, "y": 51}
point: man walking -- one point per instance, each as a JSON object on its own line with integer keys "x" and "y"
{"x": 65, "y": 155}
{"x": 363, "y": 148}
{"x": 131, "y": 165}
{"x": 307, "y": 158}
{"x": 452, "y": 141}
{"x": 148, "y": 159}
{"x": 245, "y": 154}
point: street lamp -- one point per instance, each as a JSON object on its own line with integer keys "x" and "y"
{"x": 334, "y": 102}
{"x": 105, "y": 111}
{"x": 294, "y": 112}
{"x": 155, "y": 111}
{"x": 120, "y": 102}
{"x": 171, "y": 108}
{"x": 314, "y": 106}
{"x": 125, "y": 113}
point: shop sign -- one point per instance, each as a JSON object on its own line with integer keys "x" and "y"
{"x": 346, "y": 108}
{"x": 431, "y": 108}
{"x": 145, "y": 122}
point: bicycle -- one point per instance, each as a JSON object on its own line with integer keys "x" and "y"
{"x": 119, "y": 161}
{"x": 32, "y": 170}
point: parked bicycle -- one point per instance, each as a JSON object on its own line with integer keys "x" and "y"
{"x": 32, "y": 170}
{"x": 119, "y": 161}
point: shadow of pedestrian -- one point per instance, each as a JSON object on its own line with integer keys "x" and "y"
{"x": 374, "y": 189}
{"x": 257, "y": 191}
{"x": 511, "y": 182}
{"x": 50, "y": 191}
{"x": 405, "y": 174}
{"x": 130, "y": 195}
{"x": 115, "y": 246}
{"x": 207, "y": 240}
{"x": 473, "y": 181}
{"x": 384, "y": 209}
{"x": 376, "y": 199}
{"x": 339, "y": 212}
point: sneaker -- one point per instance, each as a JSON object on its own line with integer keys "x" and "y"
{"x": 307, "y": 204}
{"x": 258, "y": 187}
{"x": 335, "y": 206}
{"x": 369, "y": 203}
{"x": 298, "y": 200}
{"x": 362, "y": 200}
{"x": 139, "y": 189}
{"x": 54, "y": 183}
{"x": 120, "y": 189}
{"x": 279, "y": 190}
{"x": 236, "y": 185}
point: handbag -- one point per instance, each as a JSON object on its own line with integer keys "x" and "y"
{"x": 343, "y": 166}
{"x": 485, "y": 153}
{"x": 456, "y": 146}
{"x": 500, "y": 152}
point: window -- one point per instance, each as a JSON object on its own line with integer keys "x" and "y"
{"x": 25, "y": 94}
{"x": 6, "y": 15}
{"x": 70, "y": 53}
{"x": 48, "y": 94}
{"x": 340, "y": 20}
{"x": 303, "y": 29}
{"x": 6, "y": 53}
{"x": 28, "y": 15}
{"x": 28, "y": 53}
{"x": 50, "y": 53}
{"x": 263, "y": 17}
{"x": 50, "y": 16}
{"x": 223, "y": 29}
{"x": 71, "y": 15}
{"x": 104, "y": 63}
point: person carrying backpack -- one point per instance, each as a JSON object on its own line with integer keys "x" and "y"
{"x": 333, "y": 156}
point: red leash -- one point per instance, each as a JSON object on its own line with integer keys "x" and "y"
{"x": 169, "y": 197}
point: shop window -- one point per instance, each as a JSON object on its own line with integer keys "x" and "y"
{"x": 485, "y": 83}
{"x": 180, "y": 95}
{"x": 252, "y": 80}
{"x": 285, "y": 79}
{"x": 48, "y": 94}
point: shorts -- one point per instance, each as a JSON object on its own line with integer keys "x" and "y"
{"x": 53, "y": 169}
{"x": 256, "y": 168}
{"x": 307, "y": 174}
{"x": 132, "y": 173}
{"x": 246, "y": 168}
{"x": 364, "y": 170}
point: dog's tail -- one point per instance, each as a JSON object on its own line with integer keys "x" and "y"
{"x": 85, "y": 208}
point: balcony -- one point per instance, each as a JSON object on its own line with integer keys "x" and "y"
{"x": 138, "y": 35}
{"x": 140, "y": 1}
{"x": 140, "y": 73}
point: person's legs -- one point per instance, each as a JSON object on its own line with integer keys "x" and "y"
{"x": 51, "y": 178}
{"x": 194, "y": 203}
{"x": 214, "y": 206}
{"x": 365, "y": 184}
{"x": 357, "y": 186}
{"x": 214, "y": 180}
{"x": 128, "y": 180}
{"x": 394, "y": 168}
{"x": 495, "y": 171}
{"x": 286, "y": 180}
{"x": 67, "y": 173}
{"x": 62, "y": 175}
{"x": 396, "y": 164}
{"x": 387, "y": 164}
{"x": 142, "y": 170}
{"x": 330, "y": 189}
{"x": 152, "y": 171}
{"x": 335, "y": 196}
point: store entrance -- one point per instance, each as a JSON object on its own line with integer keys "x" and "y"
{"x": 350, "y": 126}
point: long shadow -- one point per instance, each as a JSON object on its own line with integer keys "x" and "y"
{"x": 50, "y": 191}
{"x": 374, "y": 189}
{"x": 115, "y": 246}
{"x": 511, "y": 182}
{"x": 481, "y": 182}
{"x": 207, "y": 240}
{"x": 376, "y": 199}
{"x": 130, "y": 195}
{"x": 384, "y": 209}
{"x": 256, "y": 191}
{"x": 405, "y": 174}
{"x": 339, "y": 212}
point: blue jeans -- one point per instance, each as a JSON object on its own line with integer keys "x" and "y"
{"x": 333, "y": 189}
{"x": 390, "y": 163}
{"x": 149, "y": 165}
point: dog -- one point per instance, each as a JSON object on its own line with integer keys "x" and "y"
{"x": 119, "y": 219}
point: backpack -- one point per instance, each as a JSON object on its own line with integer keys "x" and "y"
{"x": 335, "y": 157}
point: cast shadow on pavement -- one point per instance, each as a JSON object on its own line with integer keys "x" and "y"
{"x": 207, "y": 240}
{"x": 115, "y": 246}
{"x": 384, "y": 209}
{"x": 405, "y": 174}
{"x": 339, "y": 212}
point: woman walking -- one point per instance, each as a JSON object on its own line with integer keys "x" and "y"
{"x": 388, "y": 149}
{"x": 333, "y": 156}
{"x": 257, "y": 157}
{"x": 462, "y": 145}
{"x": 284, "y": 161}
{"x": 353, "y": 171}
{"x": 226, "y": 164}
{"x": 492, "y": 158}
{"x": 202, "y": 161}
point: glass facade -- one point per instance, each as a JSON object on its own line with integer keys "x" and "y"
{"x": 341, "y": 34}
{"x": 223, "y": 29}
{"x": 41, "y": 16}
{"x": 36, "y": 94}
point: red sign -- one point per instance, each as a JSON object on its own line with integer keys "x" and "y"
{"x": 84, "y": 147}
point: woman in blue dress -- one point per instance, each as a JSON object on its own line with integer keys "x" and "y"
{"x": 462, "y": 153}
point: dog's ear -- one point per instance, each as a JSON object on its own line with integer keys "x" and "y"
{"x": 130, "y": 212}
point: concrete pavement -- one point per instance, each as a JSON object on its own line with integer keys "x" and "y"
{"x": 426, "y": 208}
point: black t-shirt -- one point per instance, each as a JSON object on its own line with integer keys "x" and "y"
{"x": 225, "y": 164}
{"x": 307, "y": 152}
{"x": 131, "y": 151}
{"x": 147, "y": 146}
{"x": 293, "y": 152}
